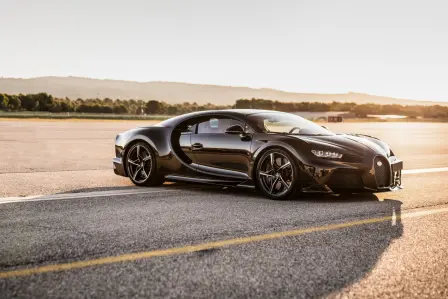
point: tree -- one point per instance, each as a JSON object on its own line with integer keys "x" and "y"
{"x": 14, "y": 103}
{"x": 172, "y": 110}
{"x": 108, "y": 102}
{"x": 28, "y": 102}
{"x": 55, "y": 107}
{"x": 4, "y": 100}
{"x": 79, "y": 102}
{"x": 45, "y": 101}
{"x": 362, "y": 110}
{"x": 243, "y": 104}
{"x": 66, "y": 106}
{"x": 120, "y": 109}
{"x": 153, "y": 107}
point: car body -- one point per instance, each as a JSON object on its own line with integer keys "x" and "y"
{"x": 250, "y": 148}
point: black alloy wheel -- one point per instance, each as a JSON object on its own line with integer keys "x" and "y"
{"x": 276, "y": 174}
{"x": 141, "y": 165}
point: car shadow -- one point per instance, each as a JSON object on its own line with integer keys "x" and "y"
{"x": 322, "y": 263}
{"x": 317, "y": 264}
{"x": 313, "y": 264}
{"x": 169, "y": 185}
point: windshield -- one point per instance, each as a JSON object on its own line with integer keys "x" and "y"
{"x": 280, "y": 122}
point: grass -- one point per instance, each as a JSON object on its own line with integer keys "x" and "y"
{"x": 108, "y": 116}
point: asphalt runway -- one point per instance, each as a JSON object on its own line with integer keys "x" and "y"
{"x": 47, "y": 157}
{"x": 69, "y": 228}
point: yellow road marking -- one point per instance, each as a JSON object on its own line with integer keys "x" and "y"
{"x": 210, "y": 245}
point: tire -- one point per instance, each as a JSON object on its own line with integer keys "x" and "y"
{"x": 141, "y": 165}
{"x": 276, "y": 174}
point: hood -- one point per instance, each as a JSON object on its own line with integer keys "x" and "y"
{"x": 372, "y": 142}
{"x": 347, "y": 144}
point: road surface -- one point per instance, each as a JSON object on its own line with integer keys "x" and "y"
{"x": 71, "y": 229}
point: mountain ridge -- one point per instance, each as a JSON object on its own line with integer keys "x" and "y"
{"x": 179, "y": 92}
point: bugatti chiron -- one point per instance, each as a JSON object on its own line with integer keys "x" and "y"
{"x": 278, "y": 153}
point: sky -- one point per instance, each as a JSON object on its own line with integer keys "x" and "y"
{"x": 392, "y": 48}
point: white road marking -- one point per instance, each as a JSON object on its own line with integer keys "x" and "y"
{"x": 144, "y": 191}
{"x": 81, "y": 195}
{"x": 424, "y": 170}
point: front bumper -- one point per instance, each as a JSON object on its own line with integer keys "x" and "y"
{"x": 118, "y": 166}
{"x": 375, "y": 174}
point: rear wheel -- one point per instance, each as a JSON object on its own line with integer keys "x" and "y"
{"x": 141, "y": 165}
{"x": 276, "y": 174}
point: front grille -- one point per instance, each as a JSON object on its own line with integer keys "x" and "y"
{"x": 382, "y": 172}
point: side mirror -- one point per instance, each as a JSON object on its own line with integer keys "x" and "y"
{"x": 236, "y": 130}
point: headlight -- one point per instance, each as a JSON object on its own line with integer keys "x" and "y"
{"x": 326, "y": 154}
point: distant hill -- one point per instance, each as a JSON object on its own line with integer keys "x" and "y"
{"x": 171, "y": 92}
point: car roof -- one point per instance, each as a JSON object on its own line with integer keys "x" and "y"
{"x": 247, "y": 111}
{"x": 229, "y": 112}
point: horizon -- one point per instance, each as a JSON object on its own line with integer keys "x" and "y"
{"x": 256, "y": 88}
{"x": 384, "y": 49}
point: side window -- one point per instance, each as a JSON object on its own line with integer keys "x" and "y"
{"x": 191, "y": 128}
{"x": 217, "y": 125}
{"x": 248, "y": 129}
{"x": 186, "y": 127}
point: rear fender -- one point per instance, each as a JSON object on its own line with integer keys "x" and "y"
{"x": 159, "y": 141}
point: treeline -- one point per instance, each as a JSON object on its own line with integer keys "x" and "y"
{"x": 435, "y": 111}
{"x": 46, "y": 102}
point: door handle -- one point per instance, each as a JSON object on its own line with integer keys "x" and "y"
{"x": 197, "y": 146}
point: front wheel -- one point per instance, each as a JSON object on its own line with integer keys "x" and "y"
{"x": 276, "y": 174}
{"x": 141, "y": 165}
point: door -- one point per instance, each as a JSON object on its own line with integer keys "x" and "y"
{"x": 221, "y": 153}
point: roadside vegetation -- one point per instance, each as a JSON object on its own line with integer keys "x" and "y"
{"x": 43, "y": 105}
{"x": 360, "y": 111}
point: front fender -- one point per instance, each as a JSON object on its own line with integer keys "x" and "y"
{"x": 259, "y": 146}
{"x": 258, "y": 150}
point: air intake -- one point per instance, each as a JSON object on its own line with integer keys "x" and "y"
{"x": 382, "y": 172}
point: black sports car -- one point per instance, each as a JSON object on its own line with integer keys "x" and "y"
{"x": 278, "y": 153}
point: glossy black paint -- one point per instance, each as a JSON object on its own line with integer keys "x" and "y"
{"x": 230, "y": 158}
